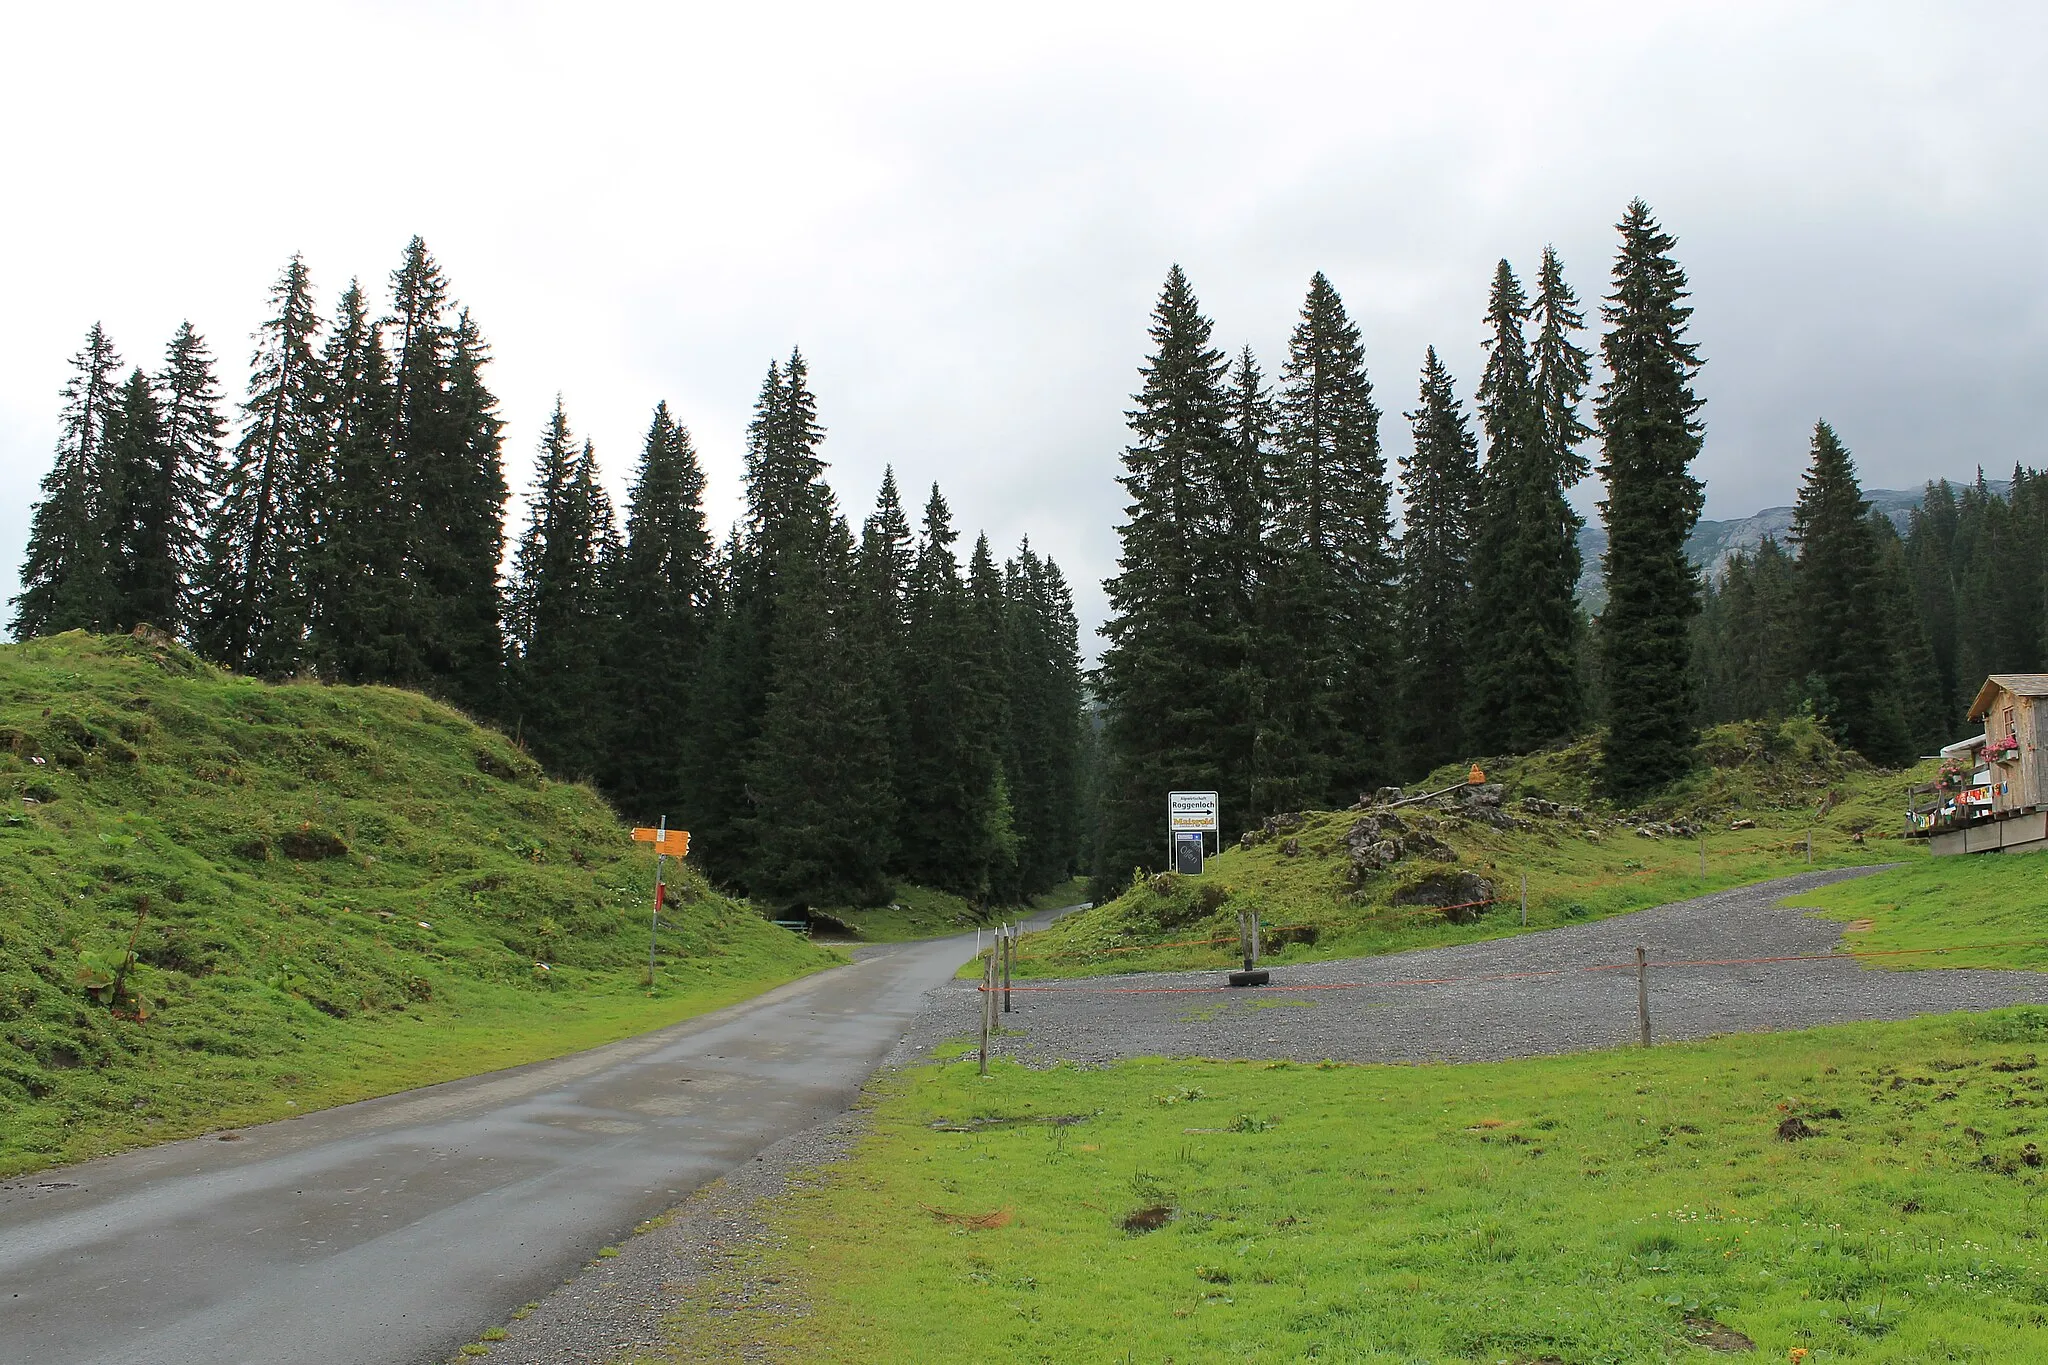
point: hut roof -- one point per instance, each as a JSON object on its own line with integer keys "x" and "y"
{"x": 2019, "y": 684}
{"x": 1962, "y": 746}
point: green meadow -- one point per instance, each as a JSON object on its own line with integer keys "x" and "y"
{"x": 1860, "y": 1193}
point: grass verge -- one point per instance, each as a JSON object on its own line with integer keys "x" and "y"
{"x": 1861, "y": 1193}
{"x": 1983, "y": 910}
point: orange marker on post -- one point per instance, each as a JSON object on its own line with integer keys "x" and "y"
{"x": 668, "y": 843}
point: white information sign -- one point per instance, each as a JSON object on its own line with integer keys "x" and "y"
{"x": 1192, "y": 810}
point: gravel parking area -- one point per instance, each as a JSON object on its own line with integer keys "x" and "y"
{"x": 1465, "y": 1003}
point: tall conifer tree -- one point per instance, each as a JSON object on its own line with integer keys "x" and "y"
{"x": 64, "y": 577}
{"x": 1043, "y": 668}
{"x": 1159, "y": 674}
{"x": 1337, "y": 604}
{"x": 189, "y": 401}
{"x": 1242, "y": 556}
{"x": 661, "y": 594}
{"x": 818, "y": 773}
{"x": 147, "y": 507}
{"x": 361, "y": 629}
{"x": 788, "y": 514}
{"x": 1845, "y": 622}
{"x": 1650, "y": 433}
{"x": 1524, "y": 633}
{"x": 254, "y": 587}
{"x": 1437, "y": 484}
{"x": 446, "y": 449}
{"x": 561, "y": 610}
{"x": 949, "y": 778}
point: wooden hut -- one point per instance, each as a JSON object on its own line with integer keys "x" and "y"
{"x": 2013, "y": 755}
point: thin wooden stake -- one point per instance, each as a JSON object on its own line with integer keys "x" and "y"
{"x": 1525, "y": 900}
{"x": 1009, "y": 954}
{"x": 1703, "y": 854}
{"x": 1643, "y": 992}
{"x": 988, "y": 975}
{"x": 1809, "y": 848}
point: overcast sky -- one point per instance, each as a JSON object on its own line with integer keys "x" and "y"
{"x": 962, "y": 214}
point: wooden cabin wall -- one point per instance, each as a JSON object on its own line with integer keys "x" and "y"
{"x": 2024, "y": 780}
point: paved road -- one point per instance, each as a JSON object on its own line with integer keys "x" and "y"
{"x": 1512, "y": 997}
{"x": 392, "y": 1230}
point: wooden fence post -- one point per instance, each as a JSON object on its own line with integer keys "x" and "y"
{"x": 1525, "y": 900}
{"x": 1009, "y": 955}
{"x": 1643, "y": 992}
{"x": 988, "y": 982}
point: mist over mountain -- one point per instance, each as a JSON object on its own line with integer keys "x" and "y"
{"x": 1713, "y": 543}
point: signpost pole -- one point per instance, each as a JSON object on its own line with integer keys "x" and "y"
{"x": 654, "y": 921}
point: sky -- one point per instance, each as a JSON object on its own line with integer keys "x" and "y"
{"x": 963, "y": 214}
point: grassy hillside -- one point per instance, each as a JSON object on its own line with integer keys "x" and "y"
{"x": 1322, "y": 887}
{"x": 1861, "y": 1193}
{"x": 332, "y": 892}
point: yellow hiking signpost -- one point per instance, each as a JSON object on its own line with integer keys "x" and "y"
{"x": 668, "y": 843}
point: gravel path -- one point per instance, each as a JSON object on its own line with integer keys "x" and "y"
{"x": 1392, "y": 1016}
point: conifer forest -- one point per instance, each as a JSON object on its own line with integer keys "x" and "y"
{"x": 834, "y": 701}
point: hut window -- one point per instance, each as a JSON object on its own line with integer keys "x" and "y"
{"x": 2010, "y": 727}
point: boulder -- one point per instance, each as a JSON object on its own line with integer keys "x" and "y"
{"x": 1462, "y": 896}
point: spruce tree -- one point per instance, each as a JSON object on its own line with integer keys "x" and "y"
{"x": 1914, "y": 687}
{"x": 1242, "y": 557}
{"x": 1044, "y": 754}
{"x": 254, "y": 585}
{"x": 446, "y": 445}
{"x": 661, "y": 595}
{"x": 993, "y": 861}
{"x": 1650, "y": 433}
{"x": 1844, "y": 621}
{"x": 788, "y": 514}
{"x": 1160, "y": 676}
{"x": 1525, "y": 627}
{"x": 1336, "y": 605}
{"x": 949, "y": 776}
{"x": 559, "y": 608}
{"x": 362, "y": 600}
{"x": 1749, "y": 656}
{"x": 147, "y": 503}
{"x": 818, "y": 773}
{"x": 1503, "y": 401}
{"x": 882, "y": 578}
{"x": 189, "y": 400}
{"x": 64, "y": 583}
{"x": 1437, "y": 486}
{"x": 1546, "y": 547}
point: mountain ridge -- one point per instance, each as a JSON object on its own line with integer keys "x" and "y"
{"x": 1713, "y": 543}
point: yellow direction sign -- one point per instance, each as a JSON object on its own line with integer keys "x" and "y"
{"x": 673, "y": 843}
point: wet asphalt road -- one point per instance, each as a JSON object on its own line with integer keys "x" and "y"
{"x": 389, "y": 1231}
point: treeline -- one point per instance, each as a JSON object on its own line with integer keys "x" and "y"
{"x": 826, "y": 712}
{"x": 1271, "y": 636}
{"x": 1885, "y": 637}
